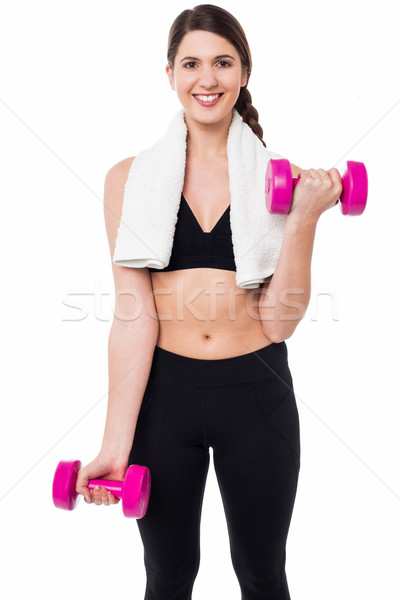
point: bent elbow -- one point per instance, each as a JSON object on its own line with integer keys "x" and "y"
{"x": 274, "y": 336}
{"x": 277, "y": 336}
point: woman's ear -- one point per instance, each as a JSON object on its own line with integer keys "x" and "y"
{"x": 170, "y": 74}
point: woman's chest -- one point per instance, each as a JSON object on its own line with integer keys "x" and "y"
{"x": 206, "y": 190}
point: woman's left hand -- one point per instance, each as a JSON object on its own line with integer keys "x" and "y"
{"x": 316, "y": 191}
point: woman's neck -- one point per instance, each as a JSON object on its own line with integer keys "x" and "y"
{"x": 207, "y": 141}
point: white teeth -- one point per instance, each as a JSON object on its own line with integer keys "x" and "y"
{"x": 207, "y": 98}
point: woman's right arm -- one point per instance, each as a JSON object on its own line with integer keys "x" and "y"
{"x": 134, "y": 331}
{"x": 132, "y": 339}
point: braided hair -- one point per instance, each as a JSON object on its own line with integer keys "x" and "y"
{"x": 249, "y": 113}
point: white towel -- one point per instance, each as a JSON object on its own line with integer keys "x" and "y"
{"x": 153, "y": 194}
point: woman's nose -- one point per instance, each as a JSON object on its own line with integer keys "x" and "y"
{"x": 207, "y": 78}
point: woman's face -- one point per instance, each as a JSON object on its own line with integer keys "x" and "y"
{"x": 197, "y": 70}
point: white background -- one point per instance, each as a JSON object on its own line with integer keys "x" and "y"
{"x": 83, "y": 85}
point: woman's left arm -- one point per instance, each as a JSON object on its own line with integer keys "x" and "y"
{"x": 284, "y": 301}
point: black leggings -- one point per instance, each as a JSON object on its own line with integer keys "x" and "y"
{"x": 244, "y": 407}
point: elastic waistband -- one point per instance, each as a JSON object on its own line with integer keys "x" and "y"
{"x": 262, "y": 363}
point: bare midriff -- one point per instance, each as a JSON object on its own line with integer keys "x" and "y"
{"x": 202, "y": 313}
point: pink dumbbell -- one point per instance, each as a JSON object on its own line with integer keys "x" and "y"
{"x": 134, "y": 489}
{"x": 279, "y": 186}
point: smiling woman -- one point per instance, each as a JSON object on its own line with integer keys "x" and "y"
{"x": 208, "y": 356}
{"x": 216, "y": 68}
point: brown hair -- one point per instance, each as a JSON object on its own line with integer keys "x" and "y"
{"x": 209, "y": 17}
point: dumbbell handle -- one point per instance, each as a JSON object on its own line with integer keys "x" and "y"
{"x": 296, "y": 180}
{"x": 115, "y": 487}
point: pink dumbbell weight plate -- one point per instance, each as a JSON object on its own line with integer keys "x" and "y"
{"x": 134, "y": 490}
{"x": 279, "y": 186}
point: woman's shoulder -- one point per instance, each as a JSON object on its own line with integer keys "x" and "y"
{"x": 120, "y": 170}
{"x": 114, "y": 189}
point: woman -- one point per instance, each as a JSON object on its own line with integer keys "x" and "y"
{"x": 208, "y": 359}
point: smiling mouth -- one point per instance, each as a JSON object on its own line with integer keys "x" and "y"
{"x": 208, "y": 98}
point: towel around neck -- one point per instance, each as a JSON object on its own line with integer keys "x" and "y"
{"x": 153, "y": 193}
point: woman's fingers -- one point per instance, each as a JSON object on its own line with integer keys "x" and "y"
{"x": 105, "y": 497}
{"x": 319, "y": 191}
{"x": 329, "y": 178}
{"x": 333, "y": 175}
{"x": 100, "y": 495}
{"x": 96, "y": 495}
{"x": 337, "y": 181}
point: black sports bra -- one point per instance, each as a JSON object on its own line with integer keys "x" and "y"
{"x": 192, "y": 247}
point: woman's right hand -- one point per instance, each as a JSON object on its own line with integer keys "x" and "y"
{"x": 317, "y": 191}
{"x": 100, "y": 467}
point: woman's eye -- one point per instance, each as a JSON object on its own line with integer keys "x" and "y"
{"x": 221, "y": 61}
